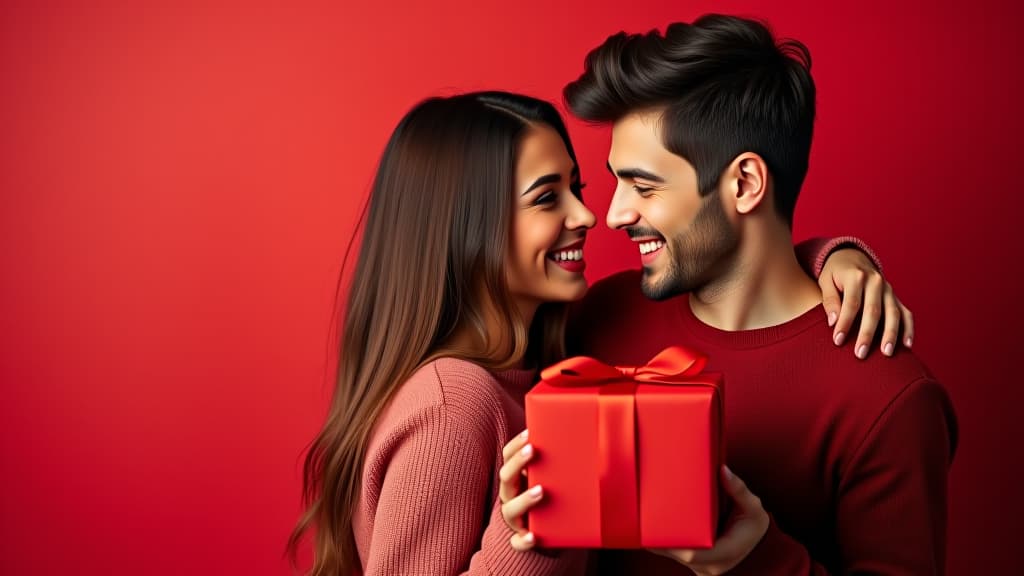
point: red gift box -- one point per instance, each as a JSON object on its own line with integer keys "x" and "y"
{"x": 629, "y": 457}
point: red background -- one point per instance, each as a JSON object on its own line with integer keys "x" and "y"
{"x": 179, "y": 183}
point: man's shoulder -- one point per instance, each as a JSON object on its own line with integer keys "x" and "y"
{"x": 866, "y": 391}
{"x": 878, "y": 376}
{"x": 891, "y": 402}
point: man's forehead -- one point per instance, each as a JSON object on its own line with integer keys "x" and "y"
{"x": 635, "y": 136}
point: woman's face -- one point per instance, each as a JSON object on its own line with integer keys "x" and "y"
{"x": 549, "y": 222}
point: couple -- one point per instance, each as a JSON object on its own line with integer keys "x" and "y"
{"x": 470, "y": 278}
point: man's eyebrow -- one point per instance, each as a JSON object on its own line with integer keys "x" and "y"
{"x": 635, "y": 173}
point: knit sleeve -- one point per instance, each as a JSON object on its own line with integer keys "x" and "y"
{"x": 812, "y": 253}
{"x": 891, "y": 513}
{"x": 435, "y": 513}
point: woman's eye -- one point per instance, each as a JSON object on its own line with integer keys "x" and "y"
{"x": 546, "y": 198}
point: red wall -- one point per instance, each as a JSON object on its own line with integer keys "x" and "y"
{"x": 179, "y": 183}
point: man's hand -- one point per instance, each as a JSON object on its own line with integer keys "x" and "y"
{"x": 747, "y": 525}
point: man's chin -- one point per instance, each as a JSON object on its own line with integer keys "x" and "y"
{"x": 656, "y": 287}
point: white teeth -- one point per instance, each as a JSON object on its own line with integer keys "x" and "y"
{"x": 568, "y": 255}
{"x": 648, "y": 247}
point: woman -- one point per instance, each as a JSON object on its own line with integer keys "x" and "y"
{"x": 473, "y": 245}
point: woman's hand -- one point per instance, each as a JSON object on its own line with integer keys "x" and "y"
{"x": 515, "y": 505}
{"x": 851, "y": 273}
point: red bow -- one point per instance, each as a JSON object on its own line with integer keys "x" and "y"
{"x": 673, "y": 365}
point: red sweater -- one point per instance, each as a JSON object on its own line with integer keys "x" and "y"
{"x": 849, "y": 457}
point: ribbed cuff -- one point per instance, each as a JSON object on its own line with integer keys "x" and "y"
{"x": 815, "y": 251}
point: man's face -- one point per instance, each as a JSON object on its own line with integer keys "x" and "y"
{"x": 685, "y": 240}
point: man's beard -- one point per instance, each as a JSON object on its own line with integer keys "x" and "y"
{"x": 697, "y": 256}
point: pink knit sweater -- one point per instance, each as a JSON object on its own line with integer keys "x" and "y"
{"x": 429, "y": 502}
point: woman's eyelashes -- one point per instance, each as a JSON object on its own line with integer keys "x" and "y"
{"x": 546, "y": 198}
{"x": 577, "y": 189}
{"x": 550, "y": 197}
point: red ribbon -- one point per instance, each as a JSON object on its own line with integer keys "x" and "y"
{"x": 616, "y": 428}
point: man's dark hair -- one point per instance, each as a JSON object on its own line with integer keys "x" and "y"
{"x": 727, "y": 87}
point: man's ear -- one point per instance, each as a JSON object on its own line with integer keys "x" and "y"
{"x": 746, "y": 183}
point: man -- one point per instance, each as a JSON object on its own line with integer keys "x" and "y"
{"x": 845, "y": 461}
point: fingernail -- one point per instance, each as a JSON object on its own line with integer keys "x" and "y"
{"x": 728, "y": 472}
{"x": 832, "y": 317}
{"x": 526, "y": 451}
{"x": 887, "y": 349}
{"x": 909, "y": 341}
{"x": 524, "y": 434}
{"x": 839, "y": 339}
{"x": 528, "y": 537}
{"x": 862, "y": 352}
{"x": 535, "y": 491}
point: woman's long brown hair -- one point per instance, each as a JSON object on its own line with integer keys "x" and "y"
{"x": 431, "y": 262}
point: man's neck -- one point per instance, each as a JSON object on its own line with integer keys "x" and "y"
{"x": 763, "y": 286}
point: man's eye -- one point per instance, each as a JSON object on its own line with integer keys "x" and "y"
{"x": 641, "y": 189}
